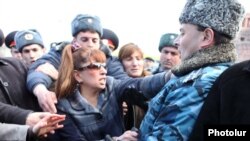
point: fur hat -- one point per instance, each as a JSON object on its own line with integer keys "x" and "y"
{"x": 167, "y": 40}
{"x": 85, "y": 22}
{"x": 1, "y": 38}
{"x": 111, "y": 37}
{"x": 27, "y": 37}
{"x": 222, "y": 16}
{"x": 9, "y": 40}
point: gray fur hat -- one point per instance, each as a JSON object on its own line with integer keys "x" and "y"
{"x": 85, "y": 22}
{"x": 223, "y": 16}
{"x": 27, "y": 37}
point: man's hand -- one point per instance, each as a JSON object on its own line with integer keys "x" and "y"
{"x": 35, "y": 117}
{"x": 47, "y": 99}
{"x": 124, "y": 108}
{"x": 48, "y": 124}
{"x": 48, "y": 69}
{"x": 127, "y": 136}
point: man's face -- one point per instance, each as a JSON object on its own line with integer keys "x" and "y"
{"x": 189, "y": 41}
{"x": 111, "y": 46}
{"x": 15, "y": 53}
{"x": 148, "y": 63}
{"x": 88, "y": 39}
{"x": 169, "y": 58}
{"x": 32, "y": 52}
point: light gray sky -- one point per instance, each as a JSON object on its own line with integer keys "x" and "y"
{"x": 138, "y": 21}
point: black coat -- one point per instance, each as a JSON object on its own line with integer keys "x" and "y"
{"x": 13, "y": 90}
{"x": 137, "y": 108}
{"x": 228, "y": 101}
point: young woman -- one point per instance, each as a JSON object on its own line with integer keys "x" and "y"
{"x": 91, "y": 100}
{"x": 132, "y": 60}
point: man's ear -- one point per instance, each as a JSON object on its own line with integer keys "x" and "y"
{"x": 74, "y": 39}
{"x": 208, "y": 38}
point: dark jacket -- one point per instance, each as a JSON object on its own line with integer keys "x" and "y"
{"x": 137, "y": 107}
{"x": 83, "y": 122}
{"x": 114, "y": 66}
{"x": 228, "y": 101}
{"x": 13, "y": 90}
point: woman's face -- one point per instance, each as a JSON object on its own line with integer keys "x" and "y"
{"x": 133, "y": 65}
{"x": 92, "y": 75}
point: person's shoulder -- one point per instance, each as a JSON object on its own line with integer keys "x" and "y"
{"x": 241, "y": 65}
{"x": 58, "y": 46}
{"x": 236, "y": 70}
{"x": 13, "y": 64}
{"x": 11, "y": 61}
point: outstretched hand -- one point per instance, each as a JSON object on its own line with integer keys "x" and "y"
{"x": 48, "y": 124}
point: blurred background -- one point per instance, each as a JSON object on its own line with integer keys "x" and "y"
{"x": 140, "y": 22}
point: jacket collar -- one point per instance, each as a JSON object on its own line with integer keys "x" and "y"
{"x": 79, "y": 103}
{"x": 217, "y": 54}
{"x": 76, "y": 101}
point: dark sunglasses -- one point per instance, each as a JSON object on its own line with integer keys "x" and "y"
{"x": 93, "y": 66}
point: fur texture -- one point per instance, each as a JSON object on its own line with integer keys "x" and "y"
{"x": 86, "y": 22}
{"x": 27, "y": 37}
{"x": 216, "y": 54}
{"x": 223, "y": 16}
{"x": 167, "y": 40}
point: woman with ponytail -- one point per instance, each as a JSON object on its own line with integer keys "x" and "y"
{"x": 91, "y": 100}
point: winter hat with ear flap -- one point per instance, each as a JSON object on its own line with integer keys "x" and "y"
{"x": 27, "y": 37}
{"x": 223, "y": 16}
{"x": 86, "y": 22}
{"x": 167, "y": 40}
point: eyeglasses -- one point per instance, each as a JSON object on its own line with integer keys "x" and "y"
{"x": 93, "y": 66}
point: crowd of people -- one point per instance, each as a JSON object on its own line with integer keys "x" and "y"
{"x": 79, "y": 91}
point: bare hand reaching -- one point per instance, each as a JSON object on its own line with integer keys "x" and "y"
{"x": 47, "y": 99}
{"x": 48, "y": 124}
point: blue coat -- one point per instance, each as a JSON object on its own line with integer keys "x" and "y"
{"x": 114, "y": 66}
{"x": 83, "y": 122}
{"x": 173, "y": 112}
